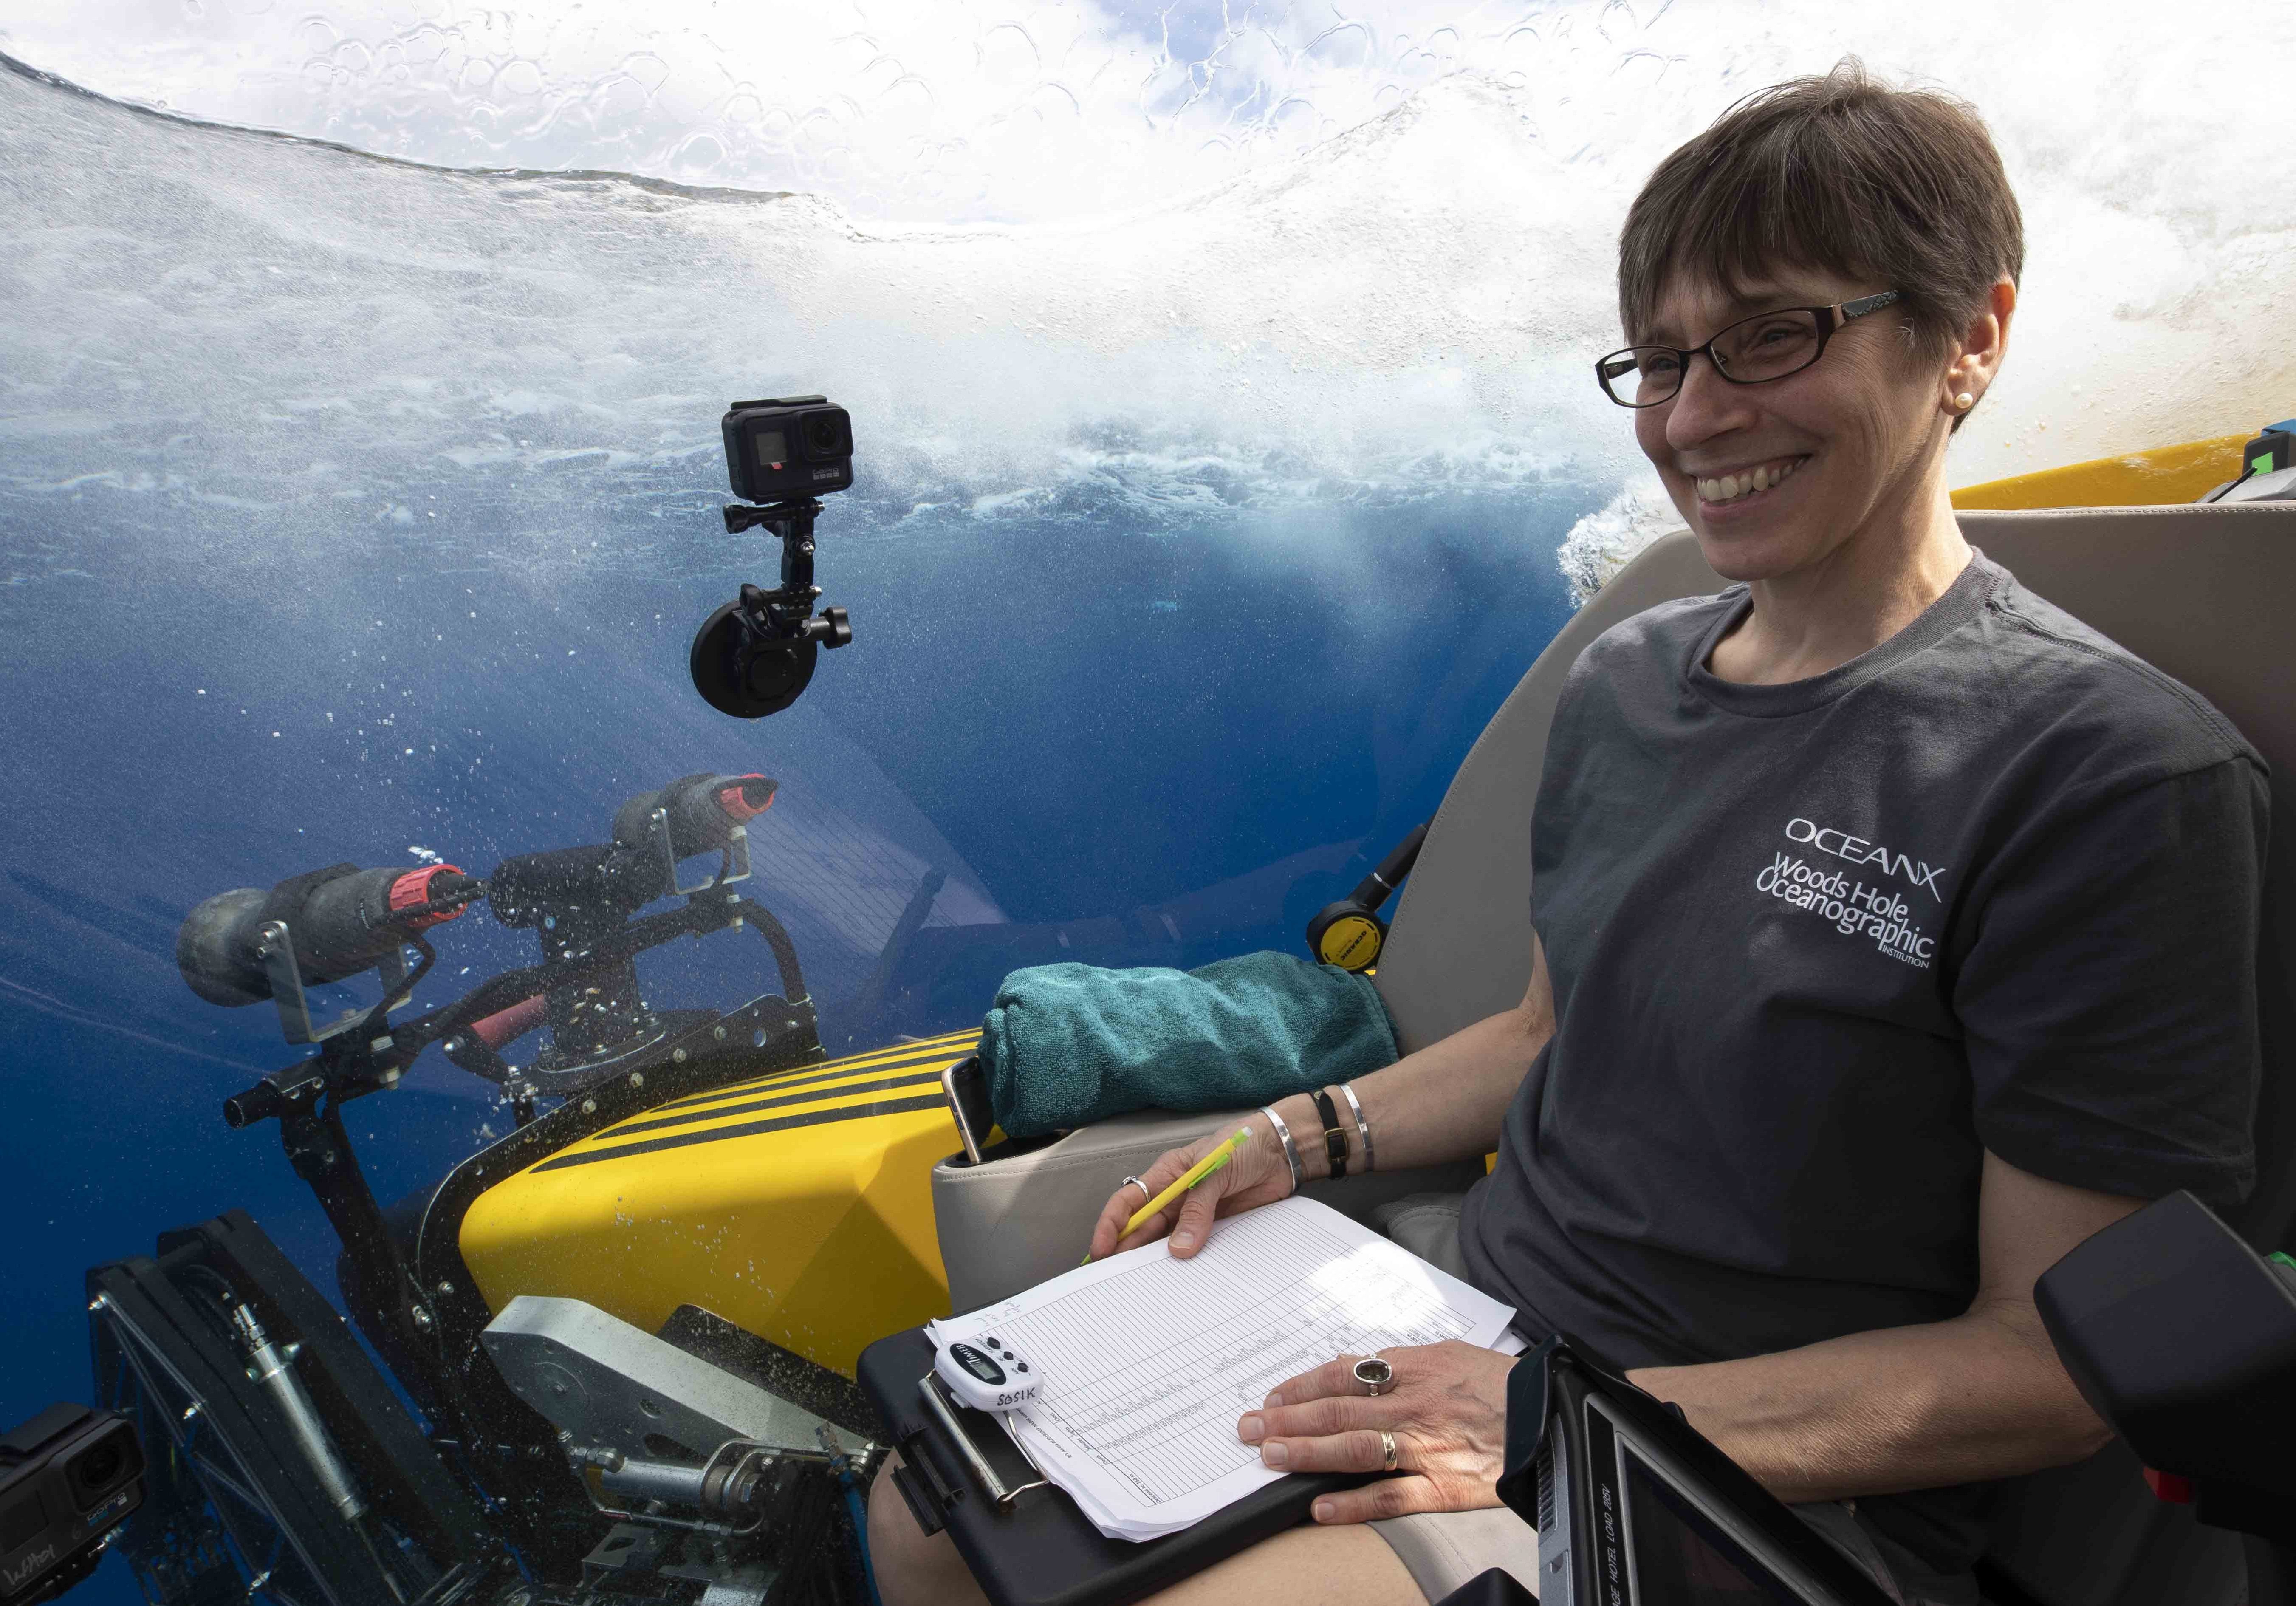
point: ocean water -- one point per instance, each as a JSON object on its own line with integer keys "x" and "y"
{"x": 366, "y": 512}
{"x": 1220, "y": 384}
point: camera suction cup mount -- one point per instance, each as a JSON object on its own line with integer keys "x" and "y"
{"x": 755, "y": 655}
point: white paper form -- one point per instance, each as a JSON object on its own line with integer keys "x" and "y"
{"x": 1147, "y": 1361}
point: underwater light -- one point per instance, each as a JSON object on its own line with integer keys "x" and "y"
{"x": 236, "y": 947}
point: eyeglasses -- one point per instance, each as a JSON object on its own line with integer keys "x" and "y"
{"x": 1753, "y": 351}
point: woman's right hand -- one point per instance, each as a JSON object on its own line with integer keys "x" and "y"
{"x": 1256, "y": 1175}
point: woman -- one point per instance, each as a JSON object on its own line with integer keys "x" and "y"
{"x": 1894, "y": 931}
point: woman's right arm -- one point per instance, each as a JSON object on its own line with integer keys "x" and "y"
{"x": 1443, "y": 1103}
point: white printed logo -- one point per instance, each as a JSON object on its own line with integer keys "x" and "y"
{"x": 1857, "y": 850}
{"x": 1850, "y": 907}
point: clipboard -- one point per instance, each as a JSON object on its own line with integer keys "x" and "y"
{"x": 1026, "y": 1542}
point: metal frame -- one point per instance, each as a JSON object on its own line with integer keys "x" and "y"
{"x": 276, "y": 950}
{"x": 941, "y": 1407}
{"x": 184, "y": 1426}
{"x": 734, "y": 867}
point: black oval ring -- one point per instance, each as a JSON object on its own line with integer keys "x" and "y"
{"x": 1375, "y": 1374}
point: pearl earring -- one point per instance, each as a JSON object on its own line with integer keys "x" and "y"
{"x": 1965, "y": 401}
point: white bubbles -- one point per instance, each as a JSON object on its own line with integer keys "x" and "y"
{"x": 1604, "y": 541}
{"x": 1061, "y": 259}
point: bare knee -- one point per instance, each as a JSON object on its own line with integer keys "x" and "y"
{"x": 1349, "y": 1566}
{"x": 913, "y": 1568}
{"x": 1337, "y": 1566}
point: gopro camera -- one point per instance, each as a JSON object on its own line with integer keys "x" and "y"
{"x": 788, "y": 446}
{"x": 68, "y": 1478}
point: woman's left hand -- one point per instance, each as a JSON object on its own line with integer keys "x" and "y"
{"x": 1446, "y": 1408}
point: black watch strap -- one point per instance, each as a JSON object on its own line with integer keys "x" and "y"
{"x": 1335, "y": 1136}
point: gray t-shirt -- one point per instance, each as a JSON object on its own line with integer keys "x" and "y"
{"x": 1994, "y": 885}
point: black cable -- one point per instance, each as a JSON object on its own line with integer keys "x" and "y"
{"x": 378, "y": 1018}
{"x": 2245, "y": 476}
{"x": 777, "y": 937}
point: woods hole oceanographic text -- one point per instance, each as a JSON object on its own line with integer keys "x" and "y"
{"x": 1848, "y": 902}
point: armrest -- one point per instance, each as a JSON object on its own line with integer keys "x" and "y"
{"x": 1009, "y": 1224}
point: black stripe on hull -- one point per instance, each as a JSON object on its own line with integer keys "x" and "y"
{"x": 819, "y": 1117}
{"x": 783, "y": 1102}
{"x": 815, "y": 1073}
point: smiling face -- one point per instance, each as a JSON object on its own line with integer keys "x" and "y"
{"x": 1776, "y": 479}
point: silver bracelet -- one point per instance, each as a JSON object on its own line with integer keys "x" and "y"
{"x": 1362, "y": 1127}
{"x": 1284, "y": 1136}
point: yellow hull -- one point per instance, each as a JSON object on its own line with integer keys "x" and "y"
{"x": 2152, "y": 479}
{"x": 797, "y": 1205}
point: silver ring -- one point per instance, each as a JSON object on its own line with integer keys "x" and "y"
{"x": 1374, "y": 1374}
{"x": 1135, "y": 1181}
{"x": 1387, "y": 1462}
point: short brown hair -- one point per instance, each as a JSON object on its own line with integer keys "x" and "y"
{"x": 1842, "y": 172}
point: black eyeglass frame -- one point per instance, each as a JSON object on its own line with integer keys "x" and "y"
{"x": 1829, "y": 322}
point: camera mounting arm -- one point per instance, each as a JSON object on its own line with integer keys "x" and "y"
{"x": 785, "y": 614}
{"x": 753, "y": 656}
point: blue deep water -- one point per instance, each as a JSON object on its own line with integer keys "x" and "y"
{"x": 356, "y": 512}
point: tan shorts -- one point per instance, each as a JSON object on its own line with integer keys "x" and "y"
{"x": 1442, "y": 1550}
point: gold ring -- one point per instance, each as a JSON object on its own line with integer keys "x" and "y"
{"x": 1386, "y": 1451}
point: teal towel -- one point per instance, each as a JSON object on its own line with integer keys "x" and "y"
{"x": 1069, "y": 1044}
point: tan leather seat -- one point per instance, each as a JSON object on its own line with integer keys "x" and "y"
{"x": 2205, "y": 593}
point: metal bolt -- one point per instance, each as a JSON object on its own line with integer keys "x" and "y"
{"x": 589, "y": 1106}
{"x": 421, "y": 1319}
{"x": 446, "y": 1291}
{"x": 637, "y": 1078}
{"x": 191, "y": 1411}
{"x": 678, "y": 1055}
{"x": 98, "y": 1303}
{"x": 719, "y": 1034}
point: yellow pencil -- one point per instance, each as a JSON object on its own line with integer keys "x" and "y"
{"x": 1188, "y": 1179}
